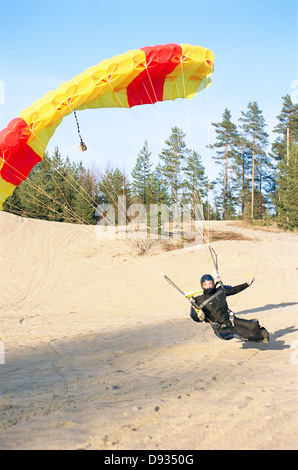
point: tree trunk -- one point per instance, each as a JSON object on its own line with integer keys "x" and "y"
{"x": 243, "y": 188}
{"x": 260, "y": 190}
{"x": 253, "y": 177}
{"x": 288, "y": 145}
{"x": 224, "y": 211}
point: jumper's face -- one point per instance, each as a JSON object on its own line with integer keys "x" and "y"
{"x": 208, "y": 284}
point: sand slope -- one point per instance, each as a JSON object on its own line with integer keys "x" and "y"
{"x": 100, "y": 352}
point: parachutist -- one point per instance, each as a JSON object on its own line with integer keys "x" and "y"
{"x": 225, "y": 324}
{"x": 82, "y": 147}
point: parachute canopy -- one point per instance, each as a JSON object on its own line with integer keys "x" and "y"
{"x": 138, "y": 77}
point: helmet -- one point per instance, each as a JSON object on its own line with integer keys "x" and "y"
{"x": 207, "y": 284}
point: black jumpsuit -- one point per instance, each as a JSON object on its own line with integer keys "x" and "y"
{"x": 224, "y": 323}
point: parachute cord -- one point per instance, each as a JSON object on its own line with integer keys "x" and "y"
{"x": 82, "y": 146}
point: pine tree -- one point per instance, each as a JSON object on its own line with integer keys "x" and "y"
{"x": 196, "y": 183}
{"x": 85, "y": 198}
{"x": 263, "y": 180}
{"x": 34, "y": 197}
{"x": 287, "y": 128}
{"x": 57, "y": 190}
{"x": 141, "y": 176}
{"x": 253, "y": 126}
{"x": 170, "y": 170}
{"x": 157, "y": 193}
{"x": 114, "y": 183}
{"x": 241, "y": 173}
{"x": 288, "y": 190}
{"x": 227, "y": 141}
{"x": 229, "y": 199}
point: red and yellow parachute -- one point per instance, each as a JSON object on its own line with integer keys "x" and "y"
{"x": 138, "y": 77}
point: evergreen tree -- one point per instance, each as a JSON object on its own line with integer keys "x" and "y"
{"x": 229, "y": 198}
{"x": 196, "y": 183}
{"x": 287, "y": 128}
{"x": 288, "y": 190}
{"x": 263, "y": 180}
{"x": 114, "y": 183}
{"x": 253, "y": 126}
{"x": 170, "y": 169}
{"x": 86, "y": 198}
{"x": 227, "y": 141}
{"x": 156, "y": 192}
{"x": 141, "y": 176}
{"x": 241, "y": 173}
{"x": 56, "y": 190}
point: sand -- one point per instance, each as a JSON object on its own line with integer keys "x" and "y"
{"x": 100, "y": 352}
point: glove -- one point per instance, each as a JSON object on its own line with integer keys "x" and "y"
{"x": 201, "y": 315}
{"x": 194, "y": 313}
{"x": 251, "y": 281}
{"x": 216, "y": 275}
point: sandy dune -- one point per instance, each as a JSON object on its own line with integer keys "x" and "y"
{"x": 100, "y": 352}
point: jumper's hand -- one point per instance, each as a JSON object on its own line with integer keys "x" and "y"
{"x": 201, "y": 315}
{"x": 195, "y": 313}
{"x": 251, "y": 281}
{"x": 216, "y": 275}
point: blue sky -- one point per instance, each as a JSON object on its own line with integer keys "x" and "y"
{"x": 44, "y": 43}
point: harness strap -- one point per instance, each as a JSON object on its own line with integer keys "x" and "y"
{"x": 231, "y": 314}
{"x": 220, "y": 290}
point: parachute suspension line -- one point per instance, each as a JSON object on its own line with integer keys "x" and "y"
{"x": 156, "y": 270}
{"x": 133, "y": 126}
{"x": 156, "y": 110}
{"x": 198, "y": 197}
{"x": 215, "y": 262}
{"x": 207, "y": 236}
{"x": 46, "y": 195}
{"x": 158, "y": 114}
{"x": 208, "y": 102}
{"x": 68, "y": 129}
{"x": 41, "y": 191}
{"x": 185, "y": 100}
{"x": 56, "y": 169}
{"x": 80, "y": 190}
{"x": 121, "y": 105}
{"x": 144, "y": 262}
{"x": 149, "y": 268}
{"x": 110, "y": 190}
{"x": 37, "y": 188}
{"x": 82, "y": 146}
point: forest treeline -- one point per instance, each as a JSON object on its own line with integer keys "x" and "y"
{"x": 256, "y": 180}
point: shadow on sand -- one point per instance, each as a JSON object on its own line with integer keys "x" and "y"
{"x": 274, "y": 344}
{"x": 267, "y": 307}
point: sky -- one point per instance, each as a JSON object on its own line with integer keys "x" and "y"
{"x": 45, "y": 43}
